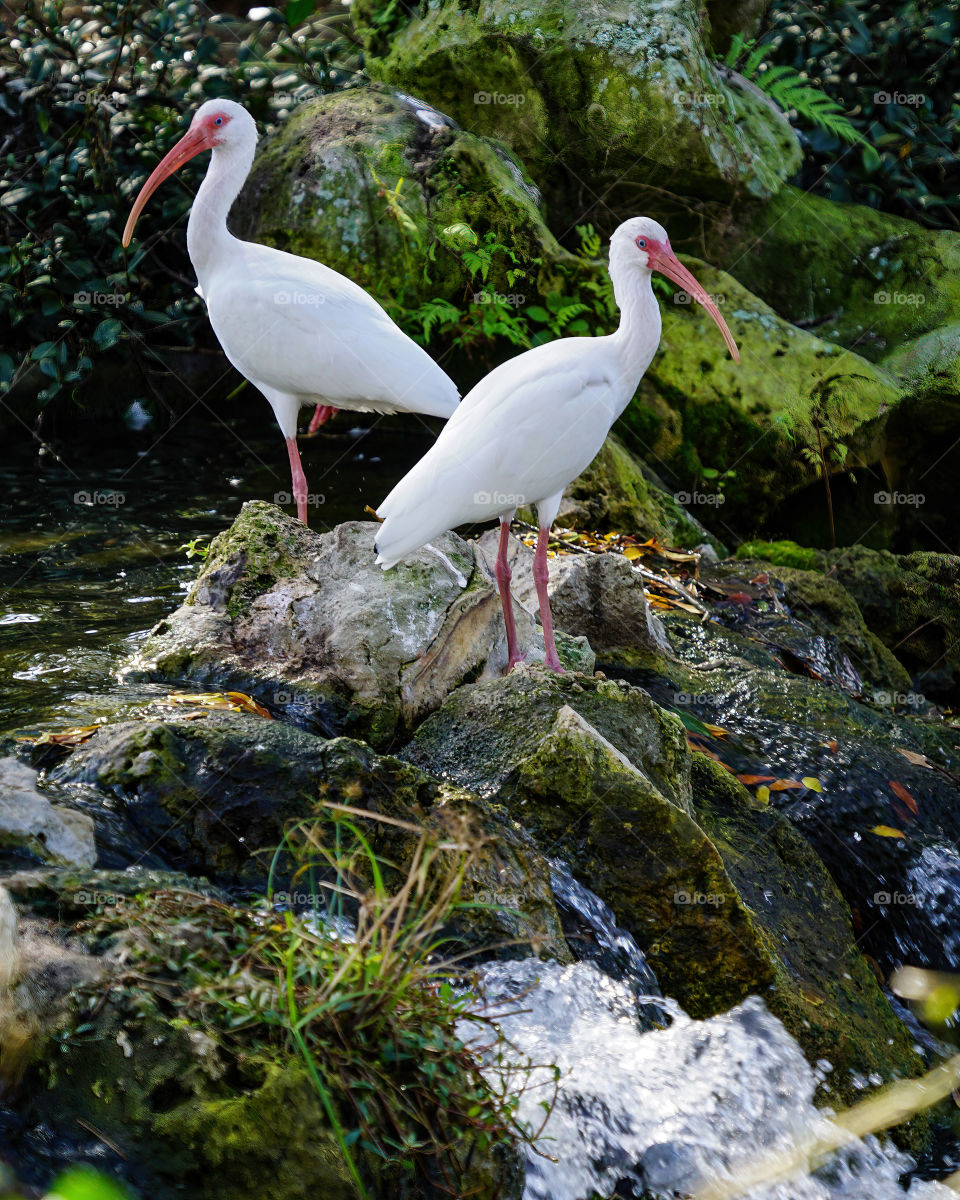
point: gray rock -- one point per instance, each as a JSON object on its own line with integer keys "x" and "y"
{"x": 30, "y": 824}
{"x": 314, "y": 628}
{"x": 596, "y": 596}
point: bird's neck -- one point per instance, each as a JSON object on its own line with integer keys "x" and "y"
{"x": 638, "y": 336}
{"x": 208, "y": 238}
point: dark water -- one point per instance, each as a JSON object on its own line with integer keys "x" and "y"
{"x": 94, "y": 517}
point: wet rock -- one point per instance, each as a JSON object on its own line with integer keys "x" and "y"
{"x": 721, "y": 893}
{"x": 598, "y": 596}
{"x": 884, "y": 787}
{"x": 310, "y": 625}
{"x": 619, "y": 95}
{"x": 33, "y": 828}
{"x": 911, "y": 602}
{"x": 827, "y": 609}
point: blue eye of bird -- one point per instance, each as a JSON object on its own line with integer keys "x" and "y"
{"x": 218, "y": 121}
{"x": 642, "y": 243}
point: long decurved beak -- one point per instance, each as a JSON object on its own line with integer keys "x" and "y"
{"x": 193, "y": 142}
{"x": 668, "y": 264}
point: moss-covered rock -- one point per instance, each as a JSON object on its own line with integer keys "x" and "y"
{"x": 619, "y": 492}
{"x": 213, "y": 796}
{"x": 311, "y": 626}
{"x": 822, "y": 986}
{"x": 827, "y": 607}
{"x": 860, "y": 277}
{"x": 368, "y": 181}
{"x": 720, "y": 892}
{"x": 619, "y": 95}
{"x": 910, "y": 602}
{"x": 697, "y": 409}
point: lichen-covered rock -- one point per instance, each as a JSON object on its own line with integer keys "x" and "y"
{"x": 33, "y": 828}
{"x": 623, "y": 96}
{"x": 598, "y": 596}
{"x": 723, "y": 896}
{"x": 379, "y": 186}
{"x": 310, "y": 625}
{"x": 619, "y": 492}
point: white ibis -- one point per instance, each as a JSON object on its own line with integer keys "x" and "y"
{"x": 300, "y": 332}
{"x": 535, "y": 422}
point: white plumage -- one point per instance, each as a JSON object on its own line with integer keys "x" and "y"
{"x": 303, "y": 334}
{"x": 535, "y": 422}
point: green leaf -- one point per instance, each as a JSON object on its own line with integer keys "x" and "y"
{"x": 297, "y": 11}
{"x": 107, "y": 334}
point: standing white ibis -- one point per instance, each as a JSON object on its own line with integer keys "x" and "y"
{"x": 534, "y": 423}
{"x": 300, "y": 332}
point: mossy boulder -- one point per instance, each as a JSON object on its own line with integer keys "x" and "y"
{"x": 910, "y": 602}
{"x": 723, "y": 896}
{"x": 830, "y": 611}
{"x": 622, "y": 96}
{"x": 619, "y": 492}
{"x": 214, "y": 793}
{"x": 379, "y": 185}
{"x": 697, "y": 409}
{"x": 311, "y": 626}
{"x": 860, "y": 277}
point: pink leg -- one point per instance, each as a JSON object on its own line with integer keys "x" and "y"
{"x": 323, "y": 413}
{"x": 540, "y": 576}
{"x": 504, "y": 575}
{"x": 298, "y": 479}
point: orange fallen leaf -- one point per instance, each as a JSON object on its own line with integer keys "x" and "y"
{"x": 918, "y": 760}
{"x": 902, "y": 794}
{"x": 752, "y": 780}
{"x": 64, "y": 737}
{"x": 832, "y": 746}
{"x": 783, "y": 785}
{"x": 717, "y": 730}
{"x": 887, "y": 831}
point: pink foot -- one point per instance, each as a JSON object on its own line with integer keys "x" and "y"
{"x": 540, "y": 576}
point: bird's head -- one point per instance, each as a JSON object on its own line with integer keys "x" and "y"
{"x": 222, "y": 126}
{"x": 641, "y": 244}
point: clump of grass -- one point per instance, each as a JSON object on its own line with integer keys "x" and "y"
{"x": 358, "y": 987}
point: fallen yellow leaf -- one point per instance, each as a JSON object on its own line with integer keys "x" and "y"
{"x": 887, "y": 831}
{"x": 811, "y": 782}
